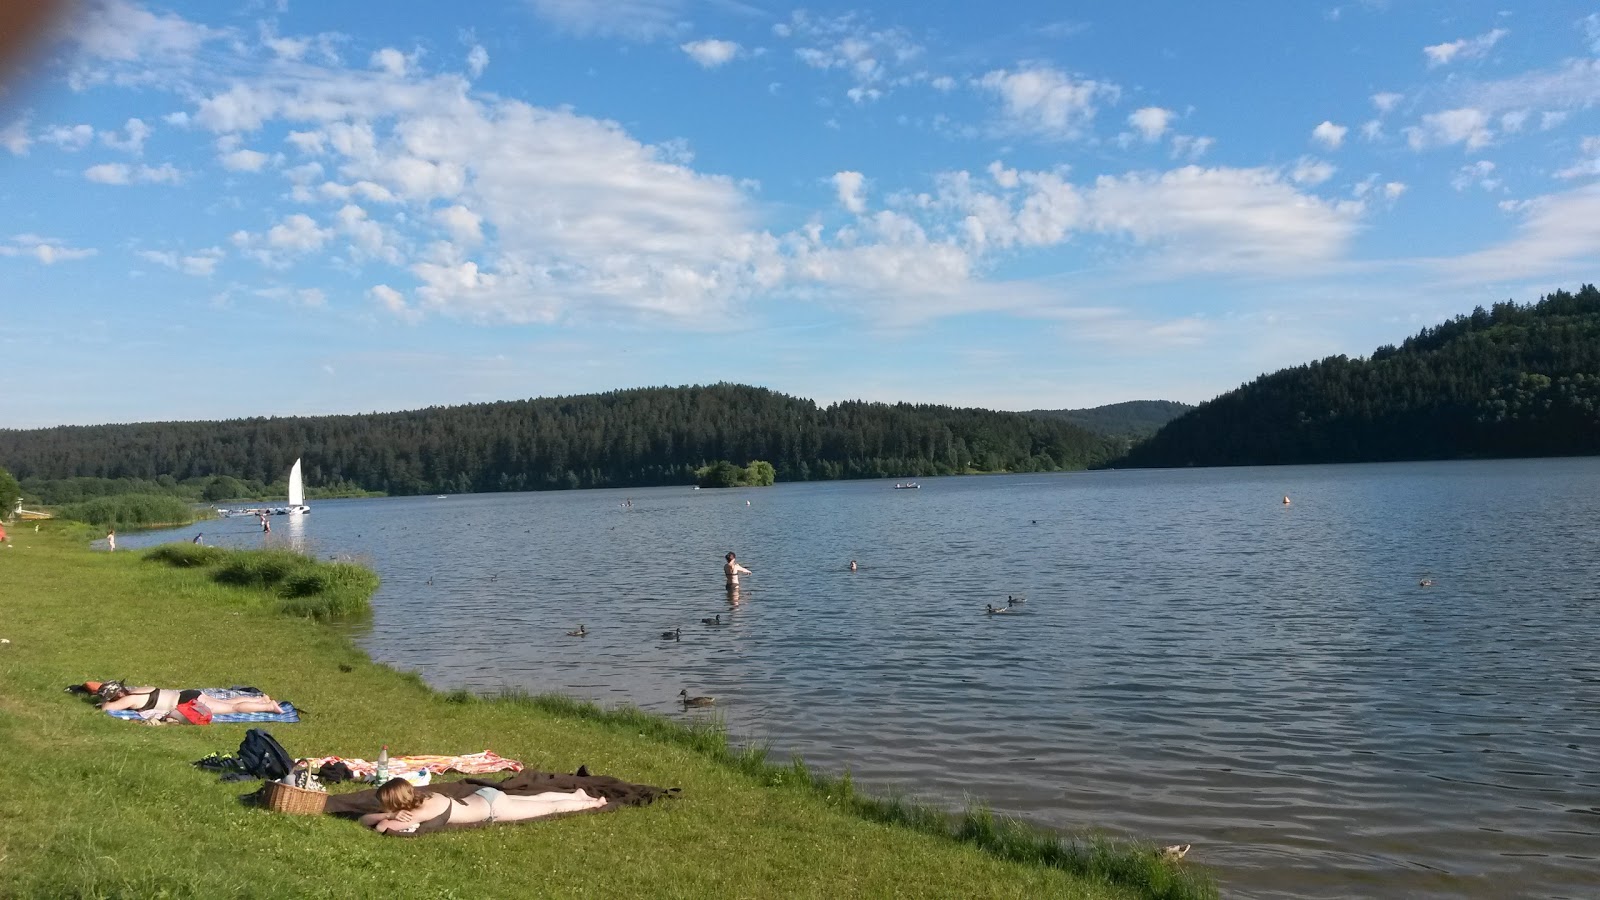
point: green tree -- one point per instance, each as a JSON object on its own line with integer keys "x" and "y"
{"x": 760, "y": 473}
{"x": 720, "y": 474}
{"x": 10, "y": 492}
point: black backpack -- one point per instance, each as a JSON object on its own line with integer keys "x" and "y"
{"x": 261, "y": 756}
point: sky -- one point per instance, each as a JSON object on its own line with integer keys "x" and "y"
{"x": 216, "y": 210}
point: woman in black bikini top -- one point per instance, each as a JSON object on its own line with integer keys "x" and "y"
{"x": 165, "y": 700}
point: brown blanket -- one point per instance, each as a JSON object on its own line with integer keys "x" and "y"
{"x": 617, "y": 793}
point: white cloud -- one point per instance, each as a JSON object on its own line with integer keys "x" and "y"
{"x": 391, "y": 61}
{"x": 464, "y": 225}
{"x": 243, "y": 160}
{"x": 1329, "y": 135}
{"x": 1151, "y": 122}
{"x": 1311, "y": 171}
{"x": 1480, "y": 173}
{"x": 849, "y": 185}
{"x": 1587, "y": 167}
{"x": 1372, "y": 130}
{"x": 46, "y": 250}
{"x": 1042, "y": 101}
{"x": 297, "y": 232}
{"x": 710, "y": 53}
{"x": 1386, "y": 101}
{"x": 1190, "y": 147}
{"x": 635, "y": 20}
{"x": 134, "y": 134}
{"x": 200, "y": 264}
{"x": 477, "y": 60}
{"x": 122, "y": 173}
{"x": 311, "y": 297}
{"x": 1558, "y": 235}
{"x": 942, "y": 83}
{"x": 1453, "y": 126}
{"x": 1466, "y": 48}
{"x": 14, "y": 137}
{"x": 876, "y": 59}
{"x": 71, "y": 138}
{"x": 123, "y": 43}
{"x": 394, "y": 303}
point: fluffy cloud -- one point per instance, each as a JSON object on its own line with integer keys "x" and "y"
{"x": 1466, "y": 48}
{"x": 477, "y": 60}
{"x": 132, "y": 139}
{"x": 710, "y": 53}
{"x": 1587, "y": 167}
{"x": 71, "y": 138}
{"x": 1453, "y": 126}
{"x": 1480, "y": 173}
{"x": 1151, "y": 122}
{"x": 243, "y": 160}
{"x": 849, "y": 185}
{"x": 297, "y": 233}
{"x": 122, "y": 173}
{"x": 1386, "y": 102}
{"x": 1329, "y": 135}
{"x": 46, "y": 250}
{"x": 15, "y": 138}
{"x": 874, "y": 59}
{"x": 1042, "y": 101}
{"x": 200, "y": 264}
{"x": 1311, "y": 171}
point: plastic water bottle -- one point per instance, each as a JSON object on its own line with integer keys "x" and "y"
{"x": 382, "y": 774}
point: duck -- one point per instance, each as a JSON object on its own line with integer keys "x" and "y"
{"x": 1175, "y": 852}
{"x": 993, "y": 610}
{"x": 675, "y": 634}
{"x": 581, "y": 632}
{"x": 1426, "y": 582}
{"x": 714, "y": 620}
{"x": 695, "y": 701}
{"x": 1014, "y": 601}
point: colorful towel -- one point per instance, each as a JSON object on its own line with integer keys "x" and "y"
{"x": 288, "y": 712}
{"x": 470, "y": 764}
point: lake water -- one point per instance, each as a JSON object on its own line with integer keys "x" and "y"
{"x": 1196, "y": 662}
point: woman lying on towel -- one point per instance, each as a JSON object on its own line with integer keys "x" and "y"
{"x": 165, "y": 700}
{"x": 405, "y": 808}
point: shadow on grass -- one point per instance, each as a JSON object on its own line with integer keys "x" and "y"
{"x": 1139, "y": 867}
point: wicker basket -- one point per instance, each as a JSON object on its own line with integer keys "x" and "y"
{"x": 280, "y": 797}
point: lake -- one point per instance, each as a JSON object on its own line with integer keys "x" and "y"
{"x": 1196, "y": 662}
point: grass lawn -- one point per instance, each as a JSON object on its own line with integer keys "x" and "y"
{"x": 98, "y": 807}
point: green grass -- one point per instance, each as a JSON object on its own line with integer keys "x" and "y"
{"x": 97, "y": 807}
{"x": 132, "y": 511}
{"x": 299, "y": 585}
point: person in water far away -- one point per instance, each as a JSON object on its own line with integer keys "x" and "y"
{"x": 732, "y": 570}
{"x": 405, "y": 807}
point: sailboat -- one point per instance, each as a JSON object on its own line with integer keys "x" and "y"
{"x": 297, "y": 492}
{"x": 297, "y": 500}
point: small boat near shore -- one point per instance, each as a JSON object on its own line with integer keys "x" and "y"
{"x": 296, "y": 506}
{"x": 907, "y": 486}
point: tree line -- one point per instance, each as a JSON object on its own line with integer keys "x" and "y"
{"x": 640, "y": 437}
{"x": 1511, "y": 380}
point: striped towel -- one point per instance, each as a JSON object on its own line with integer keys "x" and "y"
{"x": 470, "y": 764}
{"x": 288, "y": 714}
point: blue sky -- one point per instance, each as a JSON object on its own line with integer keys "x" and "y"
{"x": 275, "y": 208}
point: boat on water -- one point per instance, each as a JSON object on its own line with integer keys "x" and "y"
{"x": 297, "y": 500}
{"x": 907, "y": 486}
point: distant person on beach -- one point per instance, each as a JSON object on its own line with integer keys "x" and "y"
{"x": 111, "y": 540}
{"x": 732, "y": 570}
{"x": 406, "y": 808}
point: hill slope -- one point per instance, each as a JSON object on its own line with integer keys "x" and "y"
{"x": 1133, "y": 419}
{"x": 1515, "y": 380}
{"x": 623, "y": 438}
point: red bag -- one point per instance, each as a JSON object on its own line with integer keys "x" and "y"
{"x": 194, "y": 713}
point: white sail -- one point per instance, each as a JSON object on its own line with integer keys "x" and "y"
{"x": 297, "y": 488}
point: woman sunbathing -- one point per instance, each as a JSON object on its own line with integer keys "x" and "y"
{"x": 405, "y": 808}
{"x": 165, "y": 700}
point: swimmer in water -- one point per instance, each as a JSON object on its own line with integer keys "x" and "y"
{"x": 852, "y": 565}
{"x": 731, "y": 570}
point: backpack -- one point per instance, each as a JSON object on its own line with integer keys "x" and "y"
{"x": 261, "y": 756}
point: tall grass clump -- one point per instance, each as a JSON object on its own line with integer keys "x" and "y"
{"x": 131, "y": 511}
{"x": 1137, "y": 866}
{"x": 299, "y": 585}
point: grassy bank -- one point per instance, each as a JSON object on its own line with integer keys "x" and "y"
{"x": 97, "y": 807}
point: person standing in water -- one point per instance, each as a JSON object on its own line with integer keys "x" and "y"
{"x": 732, "y": 570}
{"x": 111, "y": 540}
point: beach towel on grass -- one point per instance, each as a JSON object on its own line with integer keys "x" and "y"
{"x": 616, "y": 792}
{"x": 288, "y": 712}
{"x": 469, "y": 764}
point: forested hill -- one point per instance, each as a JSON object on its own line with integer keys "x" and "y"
{"x": 1133, "y": 419}
{"x": 1515, "y": 380}
{"x": 647, "y": 436}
